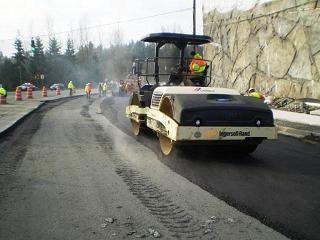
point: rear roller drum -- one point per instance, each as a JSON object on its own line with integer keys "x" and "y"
{"x": 136, "y": 126}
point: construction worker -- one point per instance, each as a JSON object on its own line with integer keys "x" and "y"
{"x": 104, "y": 89}
{"x": 122, "y": 87}
{"x": 253, "y": 93}
{"x": 3, "y": 92}
{"x": 100, "y": 89}
{"x": 71, "y": 87}
{"x": 87, "y": 89}
{"x": 197, "y": 65}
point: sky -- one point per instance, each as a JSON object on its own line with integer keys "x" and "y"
{"x": 100, "y": 20}
{"x": 103, "y": 18}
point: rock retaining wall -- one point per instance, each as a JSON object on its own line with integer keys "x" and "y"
{"x": 274, "y": 47}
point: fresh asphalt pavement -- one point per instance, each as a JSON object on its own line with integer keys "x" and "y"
{"x": 278, "y": 184}
{"x": 67, "y": 172}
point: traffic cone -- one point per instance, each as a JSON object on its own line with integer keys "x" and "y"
{"x": 18, "y": 94}
{"x": 3, "y": 99}
{"x": 29, "y": 93}
{"x": 58, "y": 90}
{"x": 44, "y": 92}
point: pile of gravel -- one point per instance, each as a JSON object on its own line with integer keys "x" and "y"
{"x": 292, "y": 105}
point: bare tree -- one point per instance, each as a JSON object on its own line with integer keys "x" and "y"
{"x": 116, "y": 37}
{"x": 83, "y": 31}
{"x": 100, "y": 32}
{"x": 50, "y": 26}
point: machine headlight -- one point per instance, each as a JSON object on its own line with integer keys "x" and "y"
{"x": 258, "y": 123}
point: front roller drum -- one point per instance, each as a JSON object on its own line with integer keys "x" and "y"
{"x": 166, "y": 144}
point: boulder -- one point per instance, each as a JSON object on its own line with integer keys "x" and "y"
{"x": 276, "y": 57}
{"x": 282, "y": 87}
{"x": 317, "y": 61}
{"x": 264, "y": 83}
{"x": 313, "y": 33}
{"x": 282, "y": 26}
{"x": 243, "y": 33}
{"x": 298, "y": 36}
{"x": 241, "y": 78}
{"x": 301, "y": 66}
{"x": 265, "y": 34}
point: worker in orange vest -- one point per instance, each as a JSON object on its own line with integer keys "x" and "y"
{"x": 87, "y": 89}
{"x": 197, "y": 65}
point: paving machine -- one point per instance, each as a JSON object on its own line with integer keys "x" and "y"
{"x": 183, "y": 110}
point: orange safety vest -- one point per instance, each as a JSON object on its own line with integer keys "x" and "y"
{"x": 197, "y": 64}
{"x": 88, "y": 88}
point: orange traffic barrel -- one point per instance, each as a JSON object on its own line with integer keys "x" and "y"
{"x": 29, "y": 92}
{"x": 44, "y": 92}
{"x": 18, "y": 94}
{"x": 58, "y": 90}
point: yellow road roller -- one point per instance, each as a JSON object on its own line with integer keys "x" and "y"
{"x": 181, "y": 108}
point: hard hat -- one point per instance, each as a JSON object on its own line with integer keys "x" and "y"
{"x": 251, "y": 90}
{"x": 197, "y": 56}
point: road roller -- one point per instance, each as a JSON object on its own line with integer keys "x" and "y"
{"x": 182, "y": 109}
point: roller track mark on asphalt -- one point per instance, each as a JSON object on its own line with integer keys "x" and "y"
{"x": 179, "y": 222}
{"x": 159, "y": 203}
{"x": 85, "y": 109}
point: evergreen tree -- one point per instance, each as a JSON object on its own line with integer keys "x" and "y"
{"x": 56, "y": 63}
{"x": 39, "y": 47}
{"x": 38, "y": 60}
{"x": 69, "y": 65}
{"x": 54, "y": 47}
{"x": 19, "y": 55}
{"x": 20, "y": 60}
{"x": 9, "y": 74}
{"x": 70, "y": 52}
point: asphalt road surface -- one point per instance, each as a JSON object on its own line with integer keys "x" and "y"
{"x": 68, "y": 172}
{"x": 278, "y": 184}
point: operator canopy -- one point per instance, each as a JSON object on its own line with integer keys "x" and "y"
{"x": 177, "y": 38}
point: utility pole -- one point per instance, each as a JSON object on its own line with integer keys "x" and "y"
{"x": 194, "y": 17}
